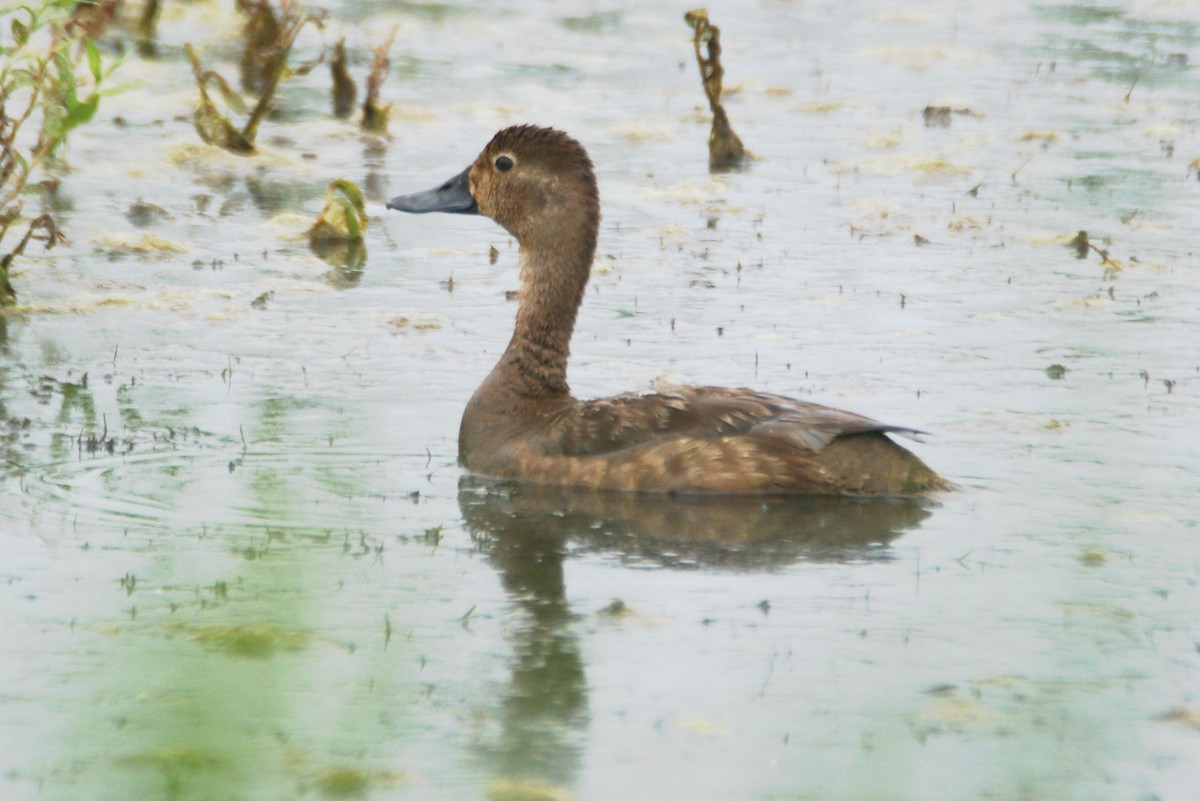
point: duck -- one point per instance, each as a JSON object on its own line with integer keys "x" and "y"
{"x": 523, "y": 423}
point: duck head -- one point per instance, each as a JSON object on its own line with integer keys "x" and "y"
{"x": 538, "y": 183}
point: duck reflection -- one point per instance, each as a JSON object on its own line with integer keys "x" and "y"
{"x": 526, "y": 532}
{"x": 544, "y": 713}
{"x": 729, "y": 532}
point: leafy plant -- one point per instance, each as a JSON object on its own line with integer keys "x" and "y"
{"x": 725, "y": 149}
{"x": 337, "y": 235}
{"x": 213, "y": 126}
{"x": 375, "y": 116}
{"x": 40, "y": 85}
{"x": 345, "y": 213}
{"x": 147, "y": 26}
{"x": 344, "y": 90}
{"x": 269, "y": 39}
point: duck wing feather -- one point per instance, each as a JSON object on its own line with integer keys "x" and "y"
{"x": 593, "y": 428}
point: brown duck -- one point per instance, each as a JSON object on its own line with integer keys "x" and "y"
{"x": 523, "y": 423}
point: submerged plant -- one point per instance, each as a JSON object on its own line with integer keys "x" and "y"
{"x": 337, "y": 235}
{"x": 91, "y": 18}
{"x": 261, "y": 57}
{"x": 213, "y": 126}
{"x": 269, "y": 40}
{"x": 344, "y": 216}
{"x": 725, "y": 149}
{"x": 343, "y": 783}
{"x": 344, "y": 90}
{"x": 375, "y": 117}
{"x": 1081, "y": 244}
{"x": 147, "y": 27}
{"x": 39, "y": 86}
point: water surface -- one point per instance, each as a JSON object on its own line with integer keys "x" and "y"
{"x": 241, "y": 562}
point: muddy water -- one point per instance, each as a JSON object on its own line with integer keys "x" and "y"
{"x": 241, "y": 562}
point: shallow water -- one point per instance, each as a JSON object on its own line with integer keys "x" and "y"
{"x": 241, "y": 562}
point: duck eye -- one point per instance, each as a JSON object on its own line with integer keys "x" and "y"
{"x": 504, "y": 163}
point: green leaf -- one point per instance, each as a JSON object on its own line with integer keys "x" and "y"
{"x": 93, "y": 56}
{"x": 232, "y": 98}
{"x": 109, "y": 91}
{"x": 52, "y": 14}
{"x": 352, "y": 226}
{"x": 18, "y": 78}
{"x": 350, "y": 190}
{"x": 52, "y": 126}
{"x": 80, "y": 112}
{"x": 66, "y": 70}
{"x": 20, "y": 32}
{"x": 112, "y": 65}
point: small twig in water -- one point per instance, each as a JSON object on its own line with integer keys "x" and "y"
{"x": 1131, "y": 87}
{"x": 1018, "y": 169}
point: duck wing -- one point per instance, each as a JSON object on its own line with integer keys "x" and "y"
{"x": 593, "y": 428}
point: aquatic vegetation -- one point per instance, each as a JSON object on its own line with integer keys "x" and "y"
{"x": 344, "y": 216}
{"x": 375, "y": 116}
{"x": 941, "y": 116}
{"x": 260, "y": 58}
{"x": 251, "y": 642}
{"x": 143, "y": 214}
{"x": 937, "y": 116}
{"x": 343, "y": 783}
{"x": 345, "y": 92}
{"x": 337, "y": 235}
{"x": 147, "y": 27}
{"x": 269, "y": 40}
{"x": 213, "y": 126}
{"x": 1082, "y": 245}
{"x": 1183, "y": 715}
{"x": 1056, "y": 372}
{"x": 506, "y": 789}
{"x": 173, "y": 761}
{"x": 91, "y": 19}
{"x": 598, "y": 22}
{"x": 40, "y": 85}
{"x": 116, "y": 244}
{"x": 725, "y": 150}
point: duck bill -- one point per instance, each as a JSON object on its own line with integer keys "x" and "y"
{"x": 454, "y": 196}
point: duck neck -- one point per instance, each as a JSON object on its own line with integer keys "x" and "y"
{"x": 552, "y": 283}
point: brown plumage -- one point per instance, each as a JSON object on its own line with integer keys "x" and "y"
{"x": 523, "y": 423}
